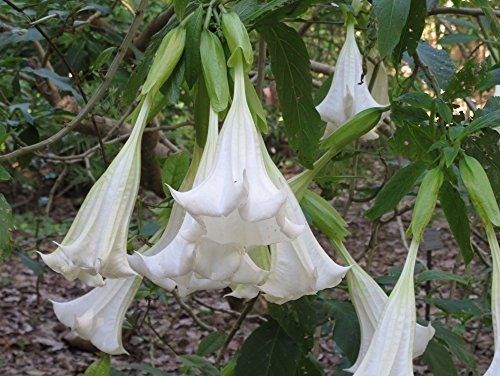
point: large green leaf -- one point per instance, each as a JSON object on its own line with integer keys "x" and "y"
{"x": 395, "y": 189}
{"x": 391, "y": 15}
{"x": 255, "y": 12}
{"x": 290, "y": 65}
{"x": 192, "y": 50}
{"x": 438, "y": 359}
{"x": 456, "y": 213}
{"x": 269, "y": 351}
{"x": 346, "y": 332}
{"x": 61, "y": 82}
{"x": 174, "y": 169}
{"x": 455, "y": 344}
{"x": 299, "y": 320}
{"x": 412, "y": 30}
{"x": 438, "y": 62}
{"x": 211, "y": 343}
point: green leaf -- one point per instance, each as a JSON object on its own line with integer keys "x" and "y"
{"x": 35, "y": 265}
{"x": 211, "y": 343}
{"x": 456, "y": 213}
{"x": 412, "y": 30}
{"x": 457, "y": 306}
{"x": 438, "y": 62}
{"x": 458, "y": 38}
{"x": 6, "y": 227}
{"x": 3, "y": 134}
{"x": 103, "y": 58}
{"x": 4, "y": 175}
{"x": 101, "y": 367}
{"x": 450, "y": 153}
{"x": 195, "y": 361}
{"x": 455, "y": 344}
{"x": 438, "y": 359}
{"x": 201, "y": 112}
{"x": 268, "y": 351}
{"x": 417, "y": 99}
{"x": 299, "y": 320}
{"x": 432, "y": 275}
{"x": 464, "y": 82}
{"x": 174, "y": 170}
{"x": 61, "y": 82}
{"x": 346, "y": 332}
{"x": 443, "y": 110}
{"x": 391, "y": 15}
{"x": 180, "y": 8}
{"x": 147, "y": 368}
{"x": 491, "y": 119}
{"x": 290, "y": 66}
{"x": 192, "y": 50}
{"x": 395, "y": 189}
{"x": 254, "y": 12}
{"x": 309, "y": 366}
{"x": 171, "y": 88}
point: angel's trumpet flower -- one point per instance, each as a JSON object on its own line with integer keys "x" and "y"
{"x": 298, "y": 267}
{"x": 390, "y": 351}
{"x": 237, "y": 202}
{"x": 347, "y": 95}
{"x": 369, "y": 300}
{"x": 391, "y": 348}
{"x": 98, "y": 315}
{"x": 95, "y": 245}
{"x": 189, "y": 258}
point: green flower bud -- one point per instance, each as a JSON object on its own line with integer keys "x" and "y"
{"x": 237, "y": 39}
{"x": 166, "y": 58}
{"x": 426, "y": 201}
{"x": 213, "y": 63}
{"x": 480, "y": 191}
{"x": 357, "y": 126}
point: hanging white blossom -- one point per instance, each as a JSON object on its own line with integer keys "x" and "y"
{"x": 347, "y": 95}
{"x": 95, "y": 245}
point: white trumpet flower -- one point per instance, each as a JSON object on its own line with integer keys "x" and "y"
{"x": 494, "y": 368}
{"x": 369, "y": 300}
{"x": 237, "y": 202}
{"x": 98, "y": 315}
{"x": 298, "y": 267}
{"x": 347, "y": 96}
{"x": 95, "y": 245}
{"x": 391, "y": 349}
{"x": 184, "y": 256}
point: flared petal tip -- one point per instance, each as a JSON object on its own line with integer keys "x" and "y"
{"x": 423, "y": 334}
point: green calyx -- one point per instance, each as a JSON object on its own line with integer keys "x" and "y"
{"x": 237, "y": 39}
{"x": 166, "y": 58}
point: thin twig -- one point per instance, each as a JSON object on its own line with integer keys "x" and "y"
{"x": 95, "y": 98}
{"x": 235, "y": 328}
{"x": 430, "y": 76}
{"x": 191, "y": 313}
{"x": 460, "y": 11}
{"x": 54, "y": 188}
